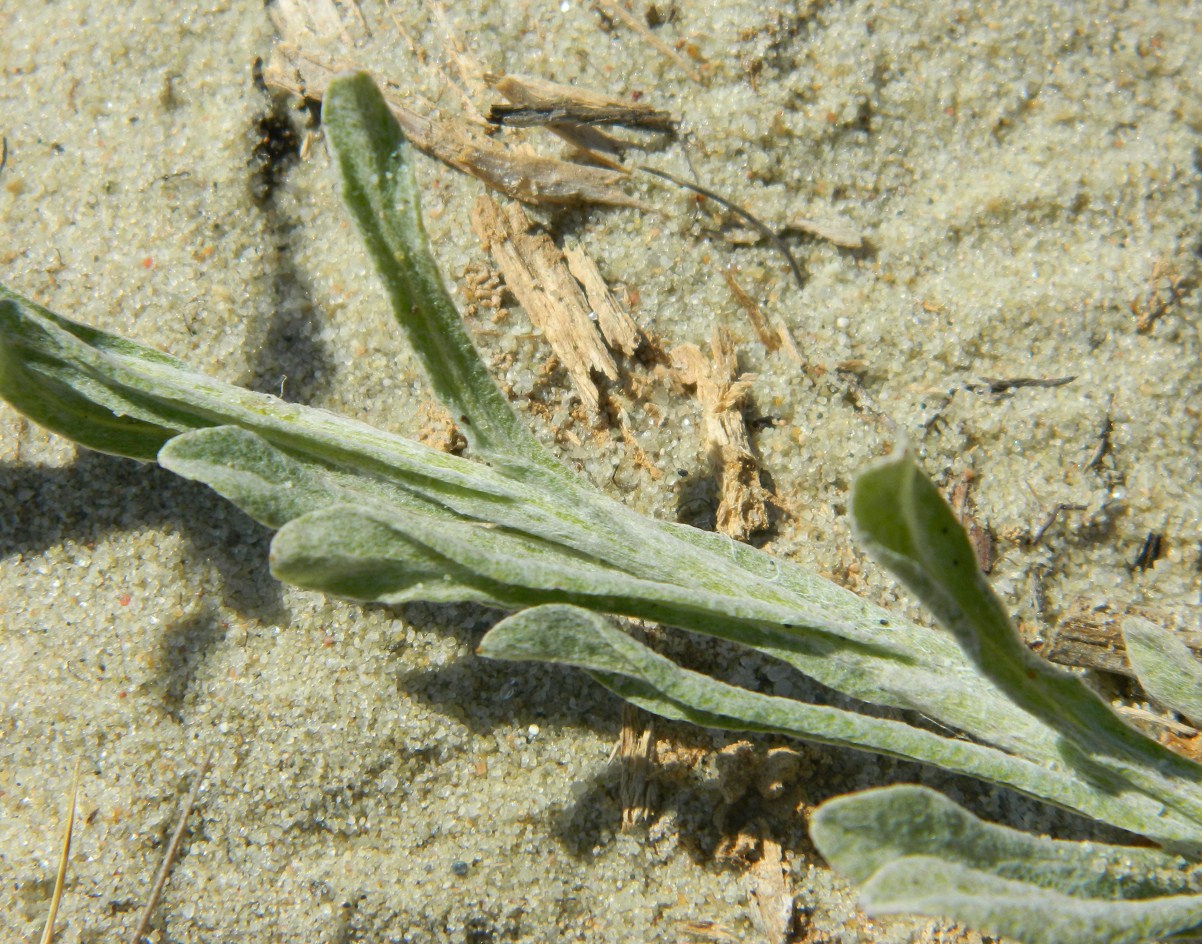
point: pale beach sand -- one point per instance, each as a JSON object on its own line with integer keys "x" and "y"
{"x": 1028, "y": 179}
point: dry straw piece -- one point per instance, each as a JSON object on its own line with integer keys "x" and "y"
{"x": 537, "y": 274}
{"x": 526, "y": 177}
{"x": 743, "y": 500}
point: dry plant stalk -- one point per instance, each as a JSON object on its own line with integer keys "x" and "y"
{"x": 637, "y": 756}
{"x": 172, "y": 850}
{"x": 537, "y": 275}
{"x": 64, "y": 856}
{"x": 574, "y": 115}
{"x": 525, "y": 177}
{"x": 743, "y": 500}
{"x": 768, "y": 896}
{"x": 539, "y": 101}
{"x": 768, "y": 337}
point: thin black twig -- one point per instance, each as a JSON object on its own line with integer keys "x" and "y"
{"x": 762, "y": 228}
{"x": 1051, "y": 520}
{"x": 528, "y": 116}
{"x": 1102, "y": 447}
{"x": 1149, "y": 551}
{"x": 992, "y": 385}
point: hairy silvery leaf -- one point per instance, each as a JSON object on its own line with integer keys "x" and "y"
{"x": 571, "y": 635}
{"x": 1165, "y": 666}
{"x": 364, "y": 554}
{"x": 574, "y": 636}
{"x": 74, "y": 380}
{"x": 914, "y": 851}
{"x": 379, "y": 189}
{"x": 901, "y": 519}
{"x": 863, "y": 832}
{"x": 932, "y": 886}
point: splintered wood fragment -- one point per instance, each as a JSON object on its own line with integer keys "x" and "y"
{"x": 743, "y": 500}
{"x": 525, "y": 177}
{"x": 768, "y": 895}
{"x": 537, "y": 275}
{"x": 1091, "y": 637}
{"x": 533, "y": 98}
{"x": 617, "y": 11}
{"x": 538, "y": 101}
{"x": 617, "y": 327}
{"x": 636, "y": 755}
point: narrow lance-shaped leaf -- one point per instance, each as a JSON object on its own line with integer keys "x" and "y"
{"x": 915, "y": 851}
{"x": 378, "y": 187}
{"x": 574, "y": 636}
{"x": 861, "y": 833}
{"x": 38, "y": 378}
{"x": 932, "y": 886}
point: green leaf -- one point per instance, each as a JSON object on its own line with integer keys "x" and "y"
{"x": 361, "y": 554}
{"x": 919, "y": 853}
{"x": 41, "y": 376}
{"x": 861, "y": 833}
{"x": 266, "y": 483}
{"x": 374, "y": 163}
{"x": 931, "y": 886}
{"x": 1165, "y": 666}
{"x": 574, "y": 636}
{"x": 274, "y": 486}
{"x": 898, "y": 514}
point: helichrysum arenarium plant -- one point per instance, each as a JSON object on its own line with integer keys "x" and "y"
{"x": 370, "y": 516}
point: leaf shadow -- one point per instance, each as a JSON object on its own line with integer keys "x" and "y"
{"x": 696, "y": 784}
{"x": 96, "y": 496}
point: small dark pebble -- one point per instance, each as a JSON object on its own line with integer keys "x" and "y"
{"x": 459, "y": 867}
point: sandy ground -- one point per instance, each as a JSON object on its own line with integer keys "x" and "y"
{"x": 1028, "y": 179}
